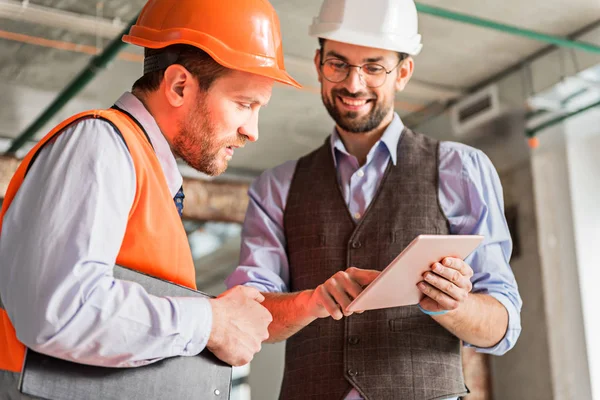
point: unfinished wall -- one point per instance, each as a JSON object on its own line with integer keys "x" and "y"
{"x": 565, "y": 335}
{"x": 524, "y": 372}
{"x": 583, "y": 146}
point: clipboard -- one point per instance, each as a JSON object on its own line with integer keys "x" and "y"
{"x": 397, "y": 284}
{"x": 200, "y": 377}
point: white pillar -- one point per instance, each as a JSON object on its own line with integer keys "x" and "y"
{"x": 560, "y": 271}
{"x": 583, "y": 147}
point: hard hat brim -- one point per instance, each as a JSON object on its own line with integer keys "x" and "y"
{"x": 376, "y": 41}
{"x": 222, "y": 54}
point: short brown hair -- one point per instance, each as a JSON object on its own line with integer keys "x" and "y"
{"x": 198, "y": 62}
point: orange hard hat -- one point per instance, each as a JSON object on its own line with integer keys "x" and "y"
{"x": 239, "y": 34}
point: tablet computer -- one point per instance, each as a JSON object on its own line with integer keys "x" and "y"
{"x": 397, "y": 284}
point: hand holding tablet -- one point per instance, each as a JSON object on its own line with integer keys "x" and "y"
{"x": 397, "y": 284}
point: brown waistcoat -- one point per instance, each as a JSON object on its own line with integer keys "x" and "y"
{"x": 398, "y": 353}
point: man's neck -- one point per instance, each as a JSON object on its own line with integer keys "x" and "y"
{"x": 152, "y": 104}
{"x": 143, "y": 98}
{"x": 359, "y": 144}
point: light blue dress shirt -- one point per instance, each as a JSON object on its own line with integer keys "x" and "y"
{"x": 58, "y": 246}
{"x": 470, "y": 195}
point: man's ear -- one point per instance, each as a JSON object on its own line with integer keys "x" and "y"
{"x": 405, "y": 71}
{"x": 177, "y": 81}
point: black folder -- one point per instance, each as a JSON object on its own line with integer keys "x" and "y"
{"x": 201, "y": 377}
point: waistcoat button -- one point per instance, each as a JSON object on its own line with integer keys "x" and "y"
{"x": 353, "y": 339}
{"x": 356, "y": 244}
{"x": 352, "y": 372}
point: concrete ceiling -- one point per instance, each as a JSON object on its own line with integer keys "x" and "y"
{"x": 38, "y": 58}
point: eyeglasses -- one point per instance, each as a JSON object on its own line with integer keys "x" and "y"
{"x": 371, "y": 75}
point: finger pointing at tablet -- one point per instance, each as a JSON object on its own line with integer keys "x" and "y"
{"x": 363, "y": 276}
{"x": 335, "y": 294}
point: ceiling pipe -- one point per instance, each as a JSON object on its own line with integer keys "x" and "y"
{"x": 96, "y": 64}
{"x": 435, "y": 109}
{"x": 510, "y": 29}
{"x": 60, "y": 19}
{"x": 532, "y": 132}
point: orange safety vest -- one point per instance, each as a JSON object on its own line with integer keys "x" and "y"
{"x": 155, "y": 241}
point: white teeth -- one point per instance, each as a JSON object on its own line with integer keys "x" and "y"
{"x": 355, "y": 103}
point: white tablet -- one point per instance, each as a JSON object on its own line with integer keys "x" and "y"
{"x": 397, "y": 284}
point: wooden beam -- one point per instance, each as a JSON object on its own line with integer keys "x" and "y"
{"x": 224, "y": 201}
{"x": 215, "y": 200}
{"x": 8, "y": 166}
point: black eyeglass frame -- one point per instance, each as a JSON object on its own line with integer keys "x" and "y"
{"x": 350, "y": 66}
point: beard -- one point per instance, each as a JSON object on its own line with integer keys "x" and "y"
{"x": 198, "y": 146}
{"x": 350, "y": 121}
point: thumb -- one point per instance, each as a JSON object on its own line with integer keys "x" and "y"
{"x": 363, "y": 276}
{"x": 253, "y": 294}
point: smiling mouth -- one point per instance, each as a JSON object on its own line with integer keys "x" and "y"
{"x": 354, "y": 102}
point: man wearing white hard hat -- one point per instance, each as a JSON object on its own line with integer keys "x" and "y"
{"x": 320, "y": 228}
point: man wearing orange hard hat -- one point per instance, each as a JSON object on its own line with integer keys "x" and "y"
{"x": 103, "y": 189}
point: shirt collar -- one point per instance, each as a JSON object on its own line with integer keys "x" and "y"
{"x": 389, "y": 140}
{"x": 134, "y": 106}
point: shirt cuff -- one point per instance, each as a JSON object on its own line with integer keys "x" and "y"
{"x": 195, "y": 321}
{"x": 264, "y": 280}
{"x": 512, "y": 332}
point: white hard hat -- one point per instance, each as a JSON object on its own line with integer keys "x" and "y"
{"x": 382, "y": 24}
